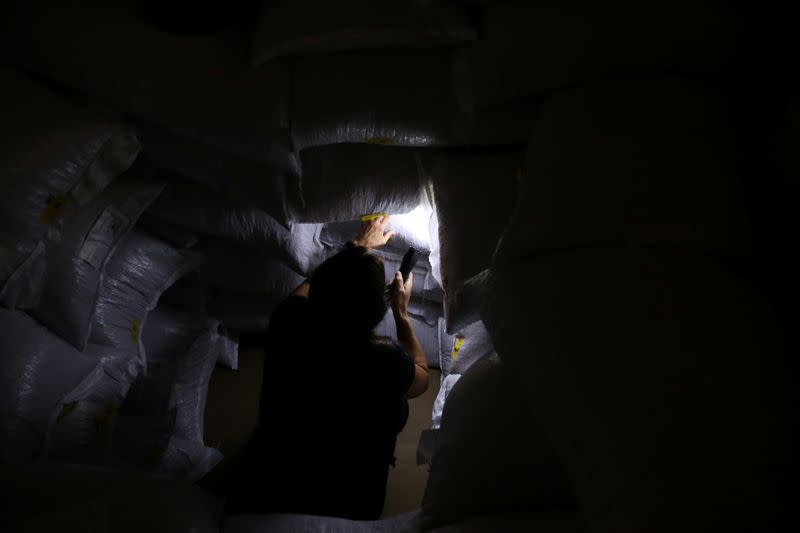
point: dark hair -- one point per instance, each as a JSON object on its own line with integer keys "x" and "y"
{"x": 348, "y": 292}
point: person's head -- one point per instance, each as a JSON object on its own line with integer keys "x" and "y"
{"x": 348, "y": 291}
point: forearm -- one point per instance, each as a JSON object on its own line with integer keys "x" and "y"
{"x": 408, "y": 340}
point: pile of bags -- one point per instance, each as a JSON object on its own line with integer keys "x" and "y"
{"x": 80, "y": 281}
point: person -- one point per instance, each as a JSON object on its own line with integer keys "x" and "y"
{"x": 334, "y": 396}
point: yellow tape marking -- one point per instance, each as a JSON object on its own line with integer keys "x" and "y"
{"x": 66, "y": 409}
{"x": 456, "y": 347}
{"x": 134, "y": 331}
{"x": 379, "y": 140}
{"x": 52, "y": 207}
{"x": 102, "y": 419}
{"x": 372, "y": 216}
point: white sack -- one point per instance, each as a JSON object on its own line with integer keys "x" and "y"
{"x": 658, "y": 376}
{"x": 429, "y": 337}
{"x": 139, "y": 271}
{"x": 635, "y": 164}
{"x": 161, "y": 422}
{"x": 317, "y": 26}
{"x": 187, "y": 455}
{"x": 242, "y": 311}
{"x": 270, "y": 187}
{"x": 238, "y": 268}
{"x": 398, "y": 98}
{"x": 76, "y": 259}
{"x": 52, "y": 394}
{"x": 474, "y": 195}
{"x": 492, "y": 456}
{"x": 346, "y": 181}
{"x": 465, "y": 347}
{"x": 55, "y": 153}
{"x": 529, "y": 48}
{"x": 82, "y": 429}
{"x": 448, "y": 382}
{"x": 146, "y": 421}
{"x": 198, "y": 86}
{"x": 246, "y": 284}
{"x": 206, "y": 212}
{"x": 77, "y": 499}
{"x": 411, "y": 229}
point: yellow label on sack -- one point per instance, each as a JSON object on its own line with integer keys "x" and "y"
{"x": 134, "y": 331}
{"x": 456, "y": 347}
{"x": 379, "y": 140}
{"x": 66, "y": 409}
{"x": 372, "y": 216}
{"x": 52, "y": 208}
{"x": 102, "y": 419}
{"x": 158, "y": 456}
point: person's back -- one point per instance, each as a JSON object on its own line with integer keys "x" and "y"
{"x": 333, "y": 397}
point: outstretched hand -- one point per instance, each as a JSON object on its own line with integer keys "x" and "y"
{"x": 373, "y": 233}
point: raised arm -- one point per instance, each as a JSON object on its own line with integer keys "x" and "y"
{"x": 401, "y": 294}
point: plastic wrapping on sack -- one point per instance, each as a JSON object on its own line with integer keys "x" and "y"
{"x": 465, "y": 347}
{"x": 161, "y": 420}
{"x": 411, "y": 229}
{"x": 246, "y": 284}
{"x": 208, "y": 213}
{"x": 139, "y": 271}
{"x": 506, "y": 125}
{"x": 187, "y": 455}
{"x": 463, "y": 307}
{"x": 187, "y": 294}
{"x": 146, "y": 421}
{"x": 242, "y": 311}
{"x": 515, "y": 56}
{"x": 60, "y": 154}
{"x": 77, "y": 258}
{"x": 474, "y": 196}
{"x": 197, "y": 86}
{"x": 649, "y": 163}
{"x": 81, "y": 430}
{"x": 78, "y": 499}
{"x": 492, "y": 455}
{"x": 400, "y": 98}
{"x": 346, "y": 181}
{"x": 438, "y": 405}
{"x": 237, "y": 268}
{"x": 429, "y": 337}
{"x": 694, "y": 345}
{"x": 288, "y": 28}
{"x": 228, "y": 349}
{"x": 38, "y": 371}
{"x": 171, "y": 233}
{"x": 268, "y": 186}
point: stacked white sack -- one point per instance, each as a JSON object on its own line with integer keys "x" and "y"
{"x": 74, "y": 260}
{"x": 199, "y": 87}
{"x": 474, "y": 196}
{"x": 49, "y": 385}
{"x": 208, "y": 214}
{"x": 56, "y": 154}
{"x": 288, "y": 28}
{"x": 395, "y": 98}
{"x": 347, "y": 181}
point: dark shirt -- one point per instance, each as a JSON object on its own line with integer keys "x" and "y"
{"x": 331, "y": 408}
